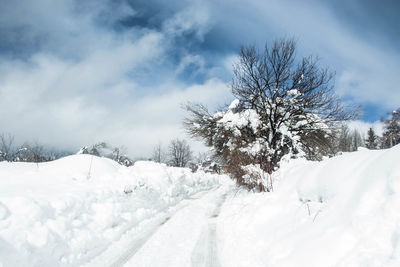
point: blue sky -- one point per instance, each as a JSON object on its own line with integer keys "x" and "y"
{"x": 77, "y": 72}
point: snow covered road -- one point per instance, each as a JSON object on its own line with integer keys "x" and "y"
{"x": 205, "y": 252}
{"x": 184, "y": 237}
{"x": 54, "y": 214}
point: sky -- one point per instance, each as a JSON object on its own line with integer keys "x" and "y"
{"x": 73, "y": 72}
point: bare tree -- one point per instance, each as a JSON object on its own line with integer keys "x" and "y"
{"x": 158, "y": 154}
{"x": 282, "y": 106}
{"x": 32, "y": 152}
{"x": 38, "y": 152}
{"x": 7, "y": 151}
{"x": 54, "y": 153}
{"x": 179, "y": 153}
{"x": 357, "y": 140}
{"x": 344, "y": 139}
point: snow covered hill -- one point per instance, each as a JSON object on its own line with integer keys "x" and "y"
{"x": 66, "y": 212}
{"x": 344, "y": 211}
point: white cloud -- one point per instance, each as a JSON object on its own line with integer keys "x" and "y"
{"x": 159, "y": 118}
{"x": 79, "y": 100}
{"x": 363, "y": 127}
{"x": 194, "y": 18}
{"x": 70, "y": 104}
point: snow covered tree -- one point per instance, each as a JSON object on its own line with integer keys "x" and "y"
{"x": 371, "y": 141}
{"x": 118, "y": 154}
{"x": 94, "y": 149}
{"x": 102, "y": 149}
{"x": 32, "y": 152}
{"x": 391, "y": 133}
{"x": 179, "y": 153}
{"x": 282, "y": 107}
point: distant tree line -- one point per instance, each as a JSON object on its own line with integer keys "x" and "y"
{"x": 28, "y": 151}
{"x": 348, "y": 141}
{"x": 178, "y": 153}
{"x": 36, "y": 152}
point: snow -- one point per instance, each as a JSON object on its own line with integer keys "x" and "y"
{"x": 293, "y": 92}
{"x": 234, "y": 121}
{"x": 57, "y": 214}
{"x": 180, "y": 242}
{"x": 342, "y": 211}
{"x": 234, "y": 104}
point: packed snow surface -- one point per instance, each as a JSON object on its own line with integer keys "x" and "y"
{"x": 343, "y": 211}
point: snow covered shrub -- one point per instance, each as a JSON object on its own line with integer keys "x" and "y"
{"x": 282, "y": 107}
{"x": 103, "y": 149}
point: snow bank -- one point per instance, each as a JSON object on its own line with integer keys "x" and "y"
{"x": 343, "y": 211}
{"x": 65, "y": 212}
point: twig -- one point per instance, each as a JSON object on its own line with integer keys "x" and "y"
{"x": 90, "y": 168}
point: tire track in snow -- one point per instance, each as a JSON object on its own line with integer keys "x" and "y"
{"x": 131, "y": 245}
{"x": 205, "y": 253}
{"x": 138, "y": 243}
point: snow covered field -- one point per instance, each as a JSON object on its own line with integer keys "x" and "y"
{"x": 57, "y": 214}
{"x": 343, "y": 211}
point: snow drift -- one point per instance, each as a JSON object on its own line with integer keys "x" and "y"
{"x": 343, "y": 211}
{"x": 65, "y": 212}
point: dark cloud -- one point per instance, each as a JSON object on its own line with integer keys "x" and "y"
{"x": 376, "y": 20}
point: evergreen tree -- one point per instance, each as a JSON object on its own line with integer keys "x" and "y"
{"x": 391, "y": 134}
{"x": 371, "y": 141}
